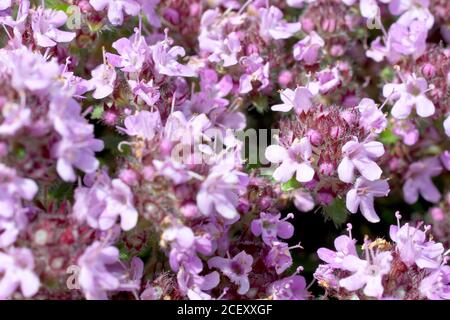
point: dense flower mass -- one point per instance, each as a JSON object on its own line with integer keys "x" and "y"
{"x": 166, "y": 149}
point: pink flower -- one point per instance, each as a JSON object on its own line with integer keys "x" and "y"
{"x": 165, "y": 59}
{"x": 367, "y": 273}
{"x": 436, "y": 286}
{"x": 116, "y": 9}
{"x": 372, "y": 118}
{"x": 132, "y": 53}
{"x": 255, "y": 70}
{"x": 418, "y": 181}
{"x": 16, "y": 268}
{"x": 226, "y": 50}
{"x": 103, "y": 79}
{"x": 144, "y": 124}
{"x": 294, "y": 160}
{"x": 414, "y": 248}
{"x": 447, "y": 125}
{"x": 408, "y": 95}
{"x": 270, "y": 226}
{"x": 146, "y": 91}
{"x": 45, "y": 24}
{"x": 273, "y": 26}
{"x": 279, "y": 257}
{"x": 96, "y": 276}
{"x": 299, "y": 99}
{"x": 406, "y": 130}
{"x": 290, "y": 288}
{"x": 119, "y": 204}
{"x": 362, "y": 195}
{"x": 236, "y": 269}
{"x": 360, "y": 156}
{"x": 308, "y": 49}
{"x": 344, "y": 246}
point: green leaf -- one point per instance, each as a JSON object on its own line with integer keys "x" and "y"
{"x": 97, "y": 112}
{"x": 388, "y": 138}
{"x": 336, "y": 211}
{"x": 260, "y": 103}
{"x": 387, "y": 74}
{"x": 290, "y": 185}
{"x": 61, "y": 191}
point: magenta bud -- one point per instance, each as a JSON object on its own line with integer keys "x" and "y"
{"x": 172, "y": 16}
{"x": 129, "y": 177}
{"x": 348, "y": 116}
{"x": 437, "y": 214}
{"x": 166, "y": 147}
{"x": 326, "y": 168}
{"x": 335, "y": 132}
{"x": 428, "y": 70}
{"x": 307, "y": 25}
{"x": 3, "y": 149}
{"x": 285, "y": 78}
{"x": 189, "y": 210}
{"x": 148, "y": 173}
{"x": 314, "y": 137}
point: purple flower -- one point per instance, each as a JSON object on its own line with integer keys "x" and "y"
{"x": 193, "y": 284}
{"x": 270, "y": 227}
{"x": 294, "y": 160}
{"x": 308, "y": 49}
{"x": 226, "y": 51}
{"x": 116, "y": 9}
{"x": 144, "y": 124}
{"x": 408, "y": 38}
{"x": 412, "y": 9}
{"x": 12, "y": 190}
{"x": 149, "y": 8}
{"x": 219, "y": 193}
{"x": 367, "y": 273}
{"x": 414, "y": 249}
{"x": 255, "y": 71}
{"x": 418, "y": 181}
{"x": 103, "y": 79}
{"x": 165, "y": 59}
{"x": 28, "y": 70}
{"x": 45, "y": 24}
{"x": 95, "y": 277}
{"x": 15, "y": 117}
{"x": 372, "y": 118}
{"x": 119, "y": 204}
{"x": 362, "y": 195}
{"x": 303, "y": 200}
{"x": 16, "y": 268}
{"x": 436, "y": 286}
{"x": 273, "y": 26}
{"x": 132, "y": 53}
{"x": 299, "y": 99}
{"x": 410, "y": 94}
{"x": 360, "y": 155}
{"x": 146, "y": 91}
{"x": 327, "y": 80}
{"x": 77, "y": 146}
{"x": 279, "y": 257}
{"x": 369, "y": 8}
{"x": 344, "y": 246}
{"x": 446, "y": 125}
{"x": 236, "y": 269}
{"x": 290, "y": 288}
{"x": 407, "y": 131}
{"x": 104, "y": 202}
{"x": 5, "y": 4}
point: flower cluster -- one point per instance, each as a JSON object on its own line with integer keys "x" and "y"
{"x": 135, "y": 161}
{"x": 410, "y": 267}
